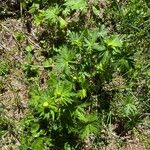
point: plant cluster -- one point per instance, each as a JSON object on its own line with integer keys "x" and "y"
{"x": 98, "y": 83}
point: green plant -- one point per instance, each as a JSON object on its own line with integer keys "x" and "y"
{"x": 4, "y": 68}
{"x": 83, "y": 57}
{"x": 28, "y": 66}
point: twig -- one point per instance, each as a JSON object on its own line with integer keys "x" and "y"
{"x": 32, "y": 41}
{"x": 12, "y": 35}
{"x": 16, "y": 39}
{"x": 4, "y": 47}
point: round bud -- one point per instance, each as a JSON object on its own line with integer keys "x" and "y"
{"x": 45, "y": 104}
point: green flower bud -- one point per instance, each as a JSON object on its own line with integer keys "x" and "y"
{"x": 45, "y": 104}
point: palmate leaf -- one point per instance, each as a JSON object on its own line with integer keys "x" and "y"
{"x": 92, "y": 40}
{"x": 89, "y": 129}
{"x": 79, "y": 112}
{"x": 76, "y": 4}
{"x": 75, "y": 38}
{"x": 106, "y": 58}
{"x": 61, "y": 66}
{"x": 114, "y": 42}
{"x": 87, "y": 123}
{"x": 63, "y": 60}
{"x": 90, "y": 43}
{"x": 82, "y": 93}
{"x": 66, "y": 54}
{"x": 93, "y": 35}
{"x": 129, "y": 106}
{"x": 51, "y": 14}
{"x": 35, "y": 95}
{"x": 130, "y": 109}
{"x": 38, "y": 144}
{"x": 124, "y": 60}
{"x": 90, "y": 125}
{"x": 63, "y": 92}
{"x": 103, "y": 32}
{"x": 62, "y": 23}
{"x": 123, "y": 64}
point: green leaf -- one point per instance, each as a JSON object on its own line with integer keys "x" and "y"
{"x": 130, "y": 106}
{"x": 88, "y": 129}
{"x": 81, "y": 115}
{"x": 82, "y": 93}
{"x": 75, "y": 38}
{"x": 35, "y": 127}
{"x": 91, "y": 126}
{"x": 37, "y": 144}
{"x": 99, "y": 48}
{"x": 63, "y": 92}
{"x": 96, "y": 11}
{"x": 113, "y": 42}
{"x": 76, "y": 4}
{"x": 63, "y": 60}
{"x": 62, "y": 23}
{"x": 29, "y": 48}
{"x": 123, "y": 64}
{"x": 19, "y": 36}
{"x": 100, "y": 67}
{"x": 106, "y": 58}
{"x": 34, "y": 8}
{"x": 51, "y": 14}
{"x": 48, "y": 63}
{"x": 67, "y": 146}
{"x": 130, "y": 109}
{"x": 103, "y": 32}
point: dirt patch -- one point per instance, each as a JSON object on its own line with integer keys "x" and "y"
{"x": 13, "y": 89}
{"x": 14, "y": 84}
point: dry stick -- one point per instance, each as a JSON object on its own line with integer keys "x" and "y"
{"x": 14, "y": 92}
{"x": 21, "y": 13}
{"x": 4, "y": 47}
{"x": 25, "y": 36}
{"x": 12, "y": 35}
{"x": 30, "y": 40}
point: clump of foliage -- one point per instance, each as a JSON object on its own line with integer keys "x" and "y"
{"x": 93, "y": 72}
{"x": 4, "y": 69}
